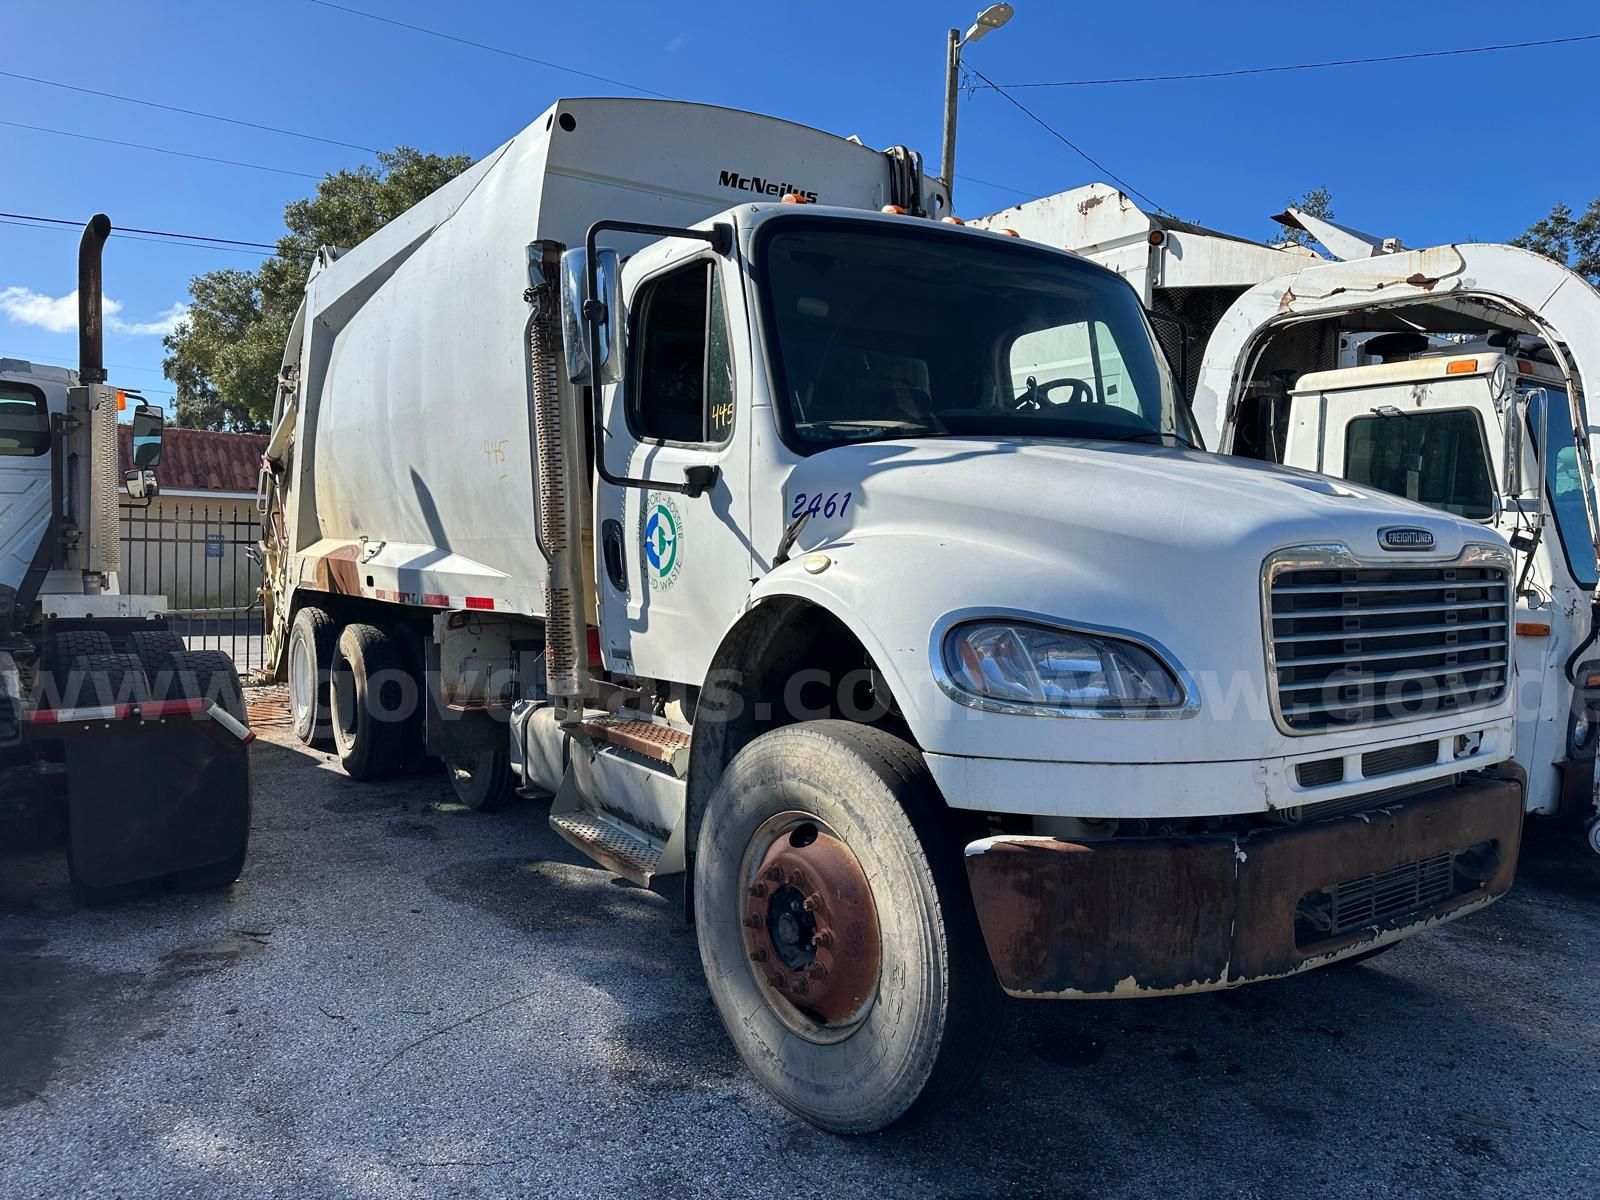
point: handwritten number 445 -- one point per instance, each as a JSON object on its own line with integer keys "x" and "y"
{"x": 833, "y": 504}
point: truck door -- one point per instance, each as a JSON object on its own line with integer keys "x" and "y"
{"x": 673, "y": 569}
{"x": 24, "y": 477}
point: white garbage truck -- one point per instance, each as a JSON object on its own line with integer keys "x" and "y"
{"x": 1454, "y": 376}
{"x": 98, "y": 695}
{"x": 687, "y": 464}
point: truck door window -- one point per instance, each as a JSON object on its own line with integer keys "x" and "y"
{"x": 682, "y": 385}
{"x": 24, "y": 422}
{"x": 1437, "y": 458}
{"x": 1565, "y": 484}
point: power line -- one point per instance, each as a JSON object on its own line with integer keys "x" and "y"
{"x": 1065, "y": 141}
{"x": 450, "y": 37}
{"x": 188, "y": 237}
{"x": 1312, "y": 66}
{"x": 188, "y": 112}
{"x": 1000, "y": 186}
{"x": 61, "y": 225}
{"x": 89, "y": 137}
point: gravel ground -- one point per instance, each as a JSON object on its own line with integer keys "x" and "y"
{"x": 401, "y": 998}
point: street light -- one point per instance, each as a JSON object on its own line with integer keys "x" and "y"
{"x": 988, "y": 20}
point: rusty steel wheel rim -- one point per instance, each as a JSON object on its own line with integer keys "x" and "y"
{"x": 810, "y": 927}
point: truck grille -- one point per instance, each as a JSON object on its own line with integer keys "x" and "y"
{"x": 1354, "y": 646}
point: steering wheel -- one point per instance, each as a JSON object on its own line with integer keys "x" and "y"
{"x": 1036, "y": 392}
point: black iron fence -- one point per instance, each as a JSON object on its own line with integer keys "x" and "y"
{"x": 200, "y": 555}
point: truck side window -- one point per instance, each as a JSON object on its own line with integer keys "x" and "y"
{"x": 24, "y": 422}
{"x": 683, "y": 381}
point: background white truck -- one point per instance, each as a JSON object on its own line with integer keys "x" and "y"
{"x": 96, "y": 692}
{"x": 774, "y": 556}
{"x": 1454, "y": 376}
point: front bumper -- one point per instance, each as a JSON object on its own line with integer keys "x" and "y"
{"x": 1164, "y": 915}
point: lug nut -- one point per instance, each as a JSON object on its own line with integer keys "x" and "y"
{"x": 819, "y": 972}
{"x": 813, "y": 902}
{"x": 775, "y": 874}
{"x": 797, "y": 877}
{"x": 775, "y": 980}
{"x": 800, "y": 988}
{"x": 759, "y": 954}
{"x": 758, "y": 890}
{"x": 752, "y": 922}
{"x": 823, "y": 938}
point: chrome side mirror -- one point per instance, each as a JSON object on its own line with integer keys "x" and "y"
{"x": 575, "y": 329}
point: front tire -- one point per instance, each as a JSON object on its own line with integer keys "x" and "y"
{"x": 907, "y": 1007}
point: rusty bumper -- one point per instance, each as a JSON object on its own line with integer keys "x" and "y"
{"x": 1161, "y": 915}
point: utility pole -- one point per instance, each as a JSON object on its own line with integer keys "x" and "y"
{"x": 989, "y": 19}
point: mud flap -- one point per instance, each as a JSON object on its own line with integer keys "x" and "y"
{"x": 147, "y": 798}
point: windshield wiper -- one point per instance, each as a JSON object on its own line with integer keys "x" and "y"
{"x": 1145, "y": 435}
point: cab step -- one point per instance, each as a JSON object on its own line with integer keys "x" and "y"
{"x": 623, "y": 806}
{"x": 660, "y": 743}
{"x": 615, "y": 845}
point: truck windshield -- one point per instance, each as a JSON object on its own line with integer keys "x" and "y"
{"x": 1439, "y": 458}
{"x": 878, "y": 331}
{"x": 24, "y": 422}
{"x": 1564, "y": 483}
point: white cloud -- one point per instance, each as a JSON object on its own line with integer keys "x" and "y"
{"x": 160, "y": 327}
{"x": 59, "y": 314}
{"x": 53, "y": 314}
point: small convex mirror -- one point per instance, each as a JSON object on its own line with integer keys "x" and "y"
{"x": 149, "y": 424}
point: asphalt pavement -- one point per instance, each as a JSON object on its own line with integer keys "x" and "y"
{"x": 402, "y": 998}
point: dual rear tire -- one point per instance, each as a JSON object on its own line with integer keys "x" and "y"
{"x": 357, "y": 689}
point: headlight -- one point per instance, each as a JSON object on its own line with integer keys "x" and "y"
{"x": 1015, "y": 664}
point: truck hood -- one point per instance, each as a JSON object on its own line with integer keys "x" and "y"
{"x": 1162, "y": 545}
{"x": 1092, "y": 497}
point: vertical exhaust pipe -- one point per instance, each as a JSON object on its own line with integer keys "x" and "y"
{"x": 91, "y": 330}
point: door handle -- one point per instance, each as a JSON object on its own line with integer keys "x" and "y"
{"x": 611, "y": 549}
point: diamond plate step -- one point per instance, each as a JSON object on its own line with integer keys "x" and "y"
{"x": 652, "y": 740}
{"x": 617, "y": 847}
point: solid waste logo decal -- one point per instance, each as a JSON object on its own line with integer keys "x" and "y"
{"x": 662, "y": 538}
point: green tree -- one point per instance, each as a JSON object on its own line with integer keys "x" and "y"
{"x": 1572, "y": 241}
{"x": 1318, "y": 202}
{"x": 224, "y": 357}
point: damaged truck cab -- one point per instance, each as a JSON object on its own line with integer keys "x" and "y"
{"x": 860, "y": 565}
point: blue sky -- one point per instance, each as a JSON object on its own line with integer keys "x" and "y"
{"x": 1449, "y": 149}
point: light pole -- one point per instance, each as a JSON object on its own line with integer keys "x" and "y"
{"x": 989, "y": 19}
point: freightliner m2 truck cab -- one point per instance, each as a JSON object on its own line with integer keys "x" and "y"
{"x": 685, "y": 464}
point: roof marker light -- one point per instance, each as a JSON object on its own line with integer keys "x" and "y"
{"x": 951, "y": 221}
{"x": 1462, "y": 366}
{"x": 793, "y": 198}
{"x": 893, "y": 209}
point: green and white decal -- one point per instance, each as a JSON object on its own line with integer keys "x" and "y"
{"x": 662, "y": 539}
